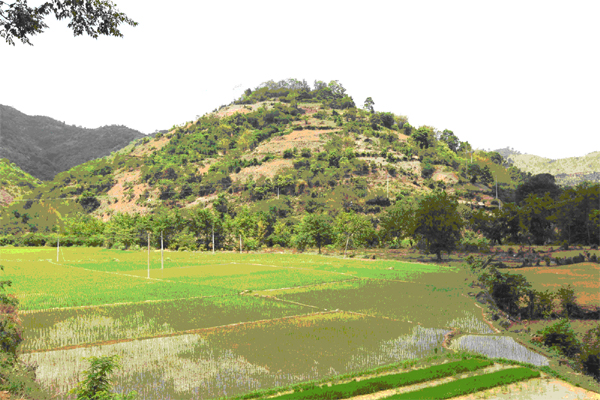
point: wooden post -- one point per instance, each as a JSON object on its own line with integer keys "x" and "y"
{"x": 161, "y": 251}
{"x": 213, "y": 236}
{"x": 346, "y": 249}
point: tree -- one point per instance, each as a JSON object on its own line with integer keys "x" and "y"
{"x": 538, "y": 185}
{"x": 352, "y": 228}
{"x": 424, "y": 137}
{"x": 438, "y": 223}
{"x": 18, "y": 20}
{"x": 534, "y": 218}
{"x": 369, "y": 103}
{"x": 450, "y": 139}
{"x": 97, "y": 385}
{"x": 396, "y": 222}
{"x": 314, "y": 229}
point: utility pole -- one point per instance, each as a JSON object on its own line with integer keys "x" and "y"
{"x": 161, "y": 251}
{"x": 278, "y": 192}
{"x": 388, "y": 184}
{"x": 213, "y": 236}
{"x": 148, "y": 255}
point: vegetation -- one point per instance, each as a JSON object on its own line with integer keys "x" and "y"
{"x": 470, "y": 385}
{"x": 20, "y": 21}
{"x": 367, "y": 386}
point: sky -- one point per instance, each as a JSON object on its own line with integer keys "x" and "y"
{"x": 520, "y": 74}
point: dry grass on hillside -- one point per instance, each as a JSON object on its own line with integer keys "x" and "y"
{"x": 268, "y": 170}
{"x": 311, "y": 139}
{"x": 122, "y": 202}
{"x": 152, "y": 145}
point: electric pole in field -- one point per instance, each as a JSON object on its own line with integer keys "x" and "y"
{"x": 161, "y": 251}
{"x": 213, "y": 236}
{"x": 387, "y": 184}
{"x": 148, "y": 255}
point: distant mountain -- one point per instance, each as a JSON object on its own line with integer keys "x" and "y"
{"x": 43, "y": 147}
{"x": 567, "y": 171}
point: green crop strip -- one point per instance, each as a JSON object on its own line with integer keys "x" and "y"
{"x": 373, "y": 385}
{"x": 469, "y": 385}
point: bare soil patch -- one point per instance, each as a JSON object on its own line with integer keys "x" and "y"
{"x": 122, "y": 203}
{"x": 268, "y": 170}
{"x": 311, "y": 139}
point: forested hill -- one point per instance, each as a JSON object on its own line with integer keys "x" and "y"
{"x": 568, "y": 171}
{"x": 14, "y": 182}
{"x": 43, "y": 147}
{"x": 283, "y": 147}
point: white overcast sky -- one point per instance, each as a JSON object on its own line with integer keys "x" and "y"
{"x": 524, "y": 74}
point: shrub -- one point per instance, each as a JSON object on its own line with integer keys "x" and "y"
{"x": 594, "y": 258}
{"x": 564, "y": 245}
{"x": 560, "y": 336}
{"x": 547, "y": 261}
{"x": 97, "y": 385}
{"x": 590, "y": 353}
{"x": 511, "y": 251}
{"x": 472, "y": 241}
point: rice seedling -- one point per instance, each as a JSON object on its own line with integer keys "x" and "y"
{"x": 499, "y": 346}
{"x": 469, "y": 385}
{"x": 58, "y": 328}
{"x": 469, "y": 323}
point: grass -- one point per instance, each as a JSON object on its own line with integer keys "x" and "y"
{"x": 468, "y": 385}
{"x": 44, "y": 285}
{"x": 357, "y": 388}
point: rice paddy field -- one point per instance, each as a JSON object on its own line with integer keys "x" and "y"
{"x": 219, "y": 325}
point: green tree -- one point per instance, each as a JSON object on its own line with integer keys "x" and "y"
{"x": 534, "y": 219}
{"x": 438, "y": 223}
{"x": 396, "y": 222}
{"x": 450, "y": 139}
{"x": 97, "y": 385}
{"x": 423, "y": 137}
{"x": 368, "y": 105}
{"x": 20, "y": 21}
{"x": 314, "y": 230}
{"x": 352, "y": 229}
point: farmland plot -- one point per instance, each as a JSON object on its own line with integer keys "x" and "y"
{"x": 67, "y": 327}
{"x": 583, "y": 277}
{"x": 499, "y": 346}
{"x": 238, "y": 359}
{"x": 432, "y": 306}
{"x": 44, "y": 285}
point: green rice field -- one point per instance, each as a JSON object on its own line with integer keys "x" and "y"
{"x": 213, "y": 325}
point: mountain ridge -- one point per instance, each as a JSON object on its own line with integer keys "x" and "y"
{"x": 43, "y": 146}
{"x": 568, "y": 171}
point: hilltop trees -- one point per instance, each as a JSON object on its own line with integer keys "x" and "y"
{"x": 20, "y": 21}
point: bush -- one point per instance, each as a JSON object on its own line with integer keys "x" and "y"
{"x": 590, "y": 353}
{"x": 561, "y": 337}
{"x": 472, "y": 241}
{"x": 594, "y": 258}
{"x": 547, "y": 261}
{"x": 97, "y": 385}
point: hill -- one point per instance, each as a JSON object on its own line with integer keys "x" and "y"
{"x": 43, "y": 147}
{"x": 282, "y": 149}
{"x": 567, "y": 171}
{"x": 14, "y": 182}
